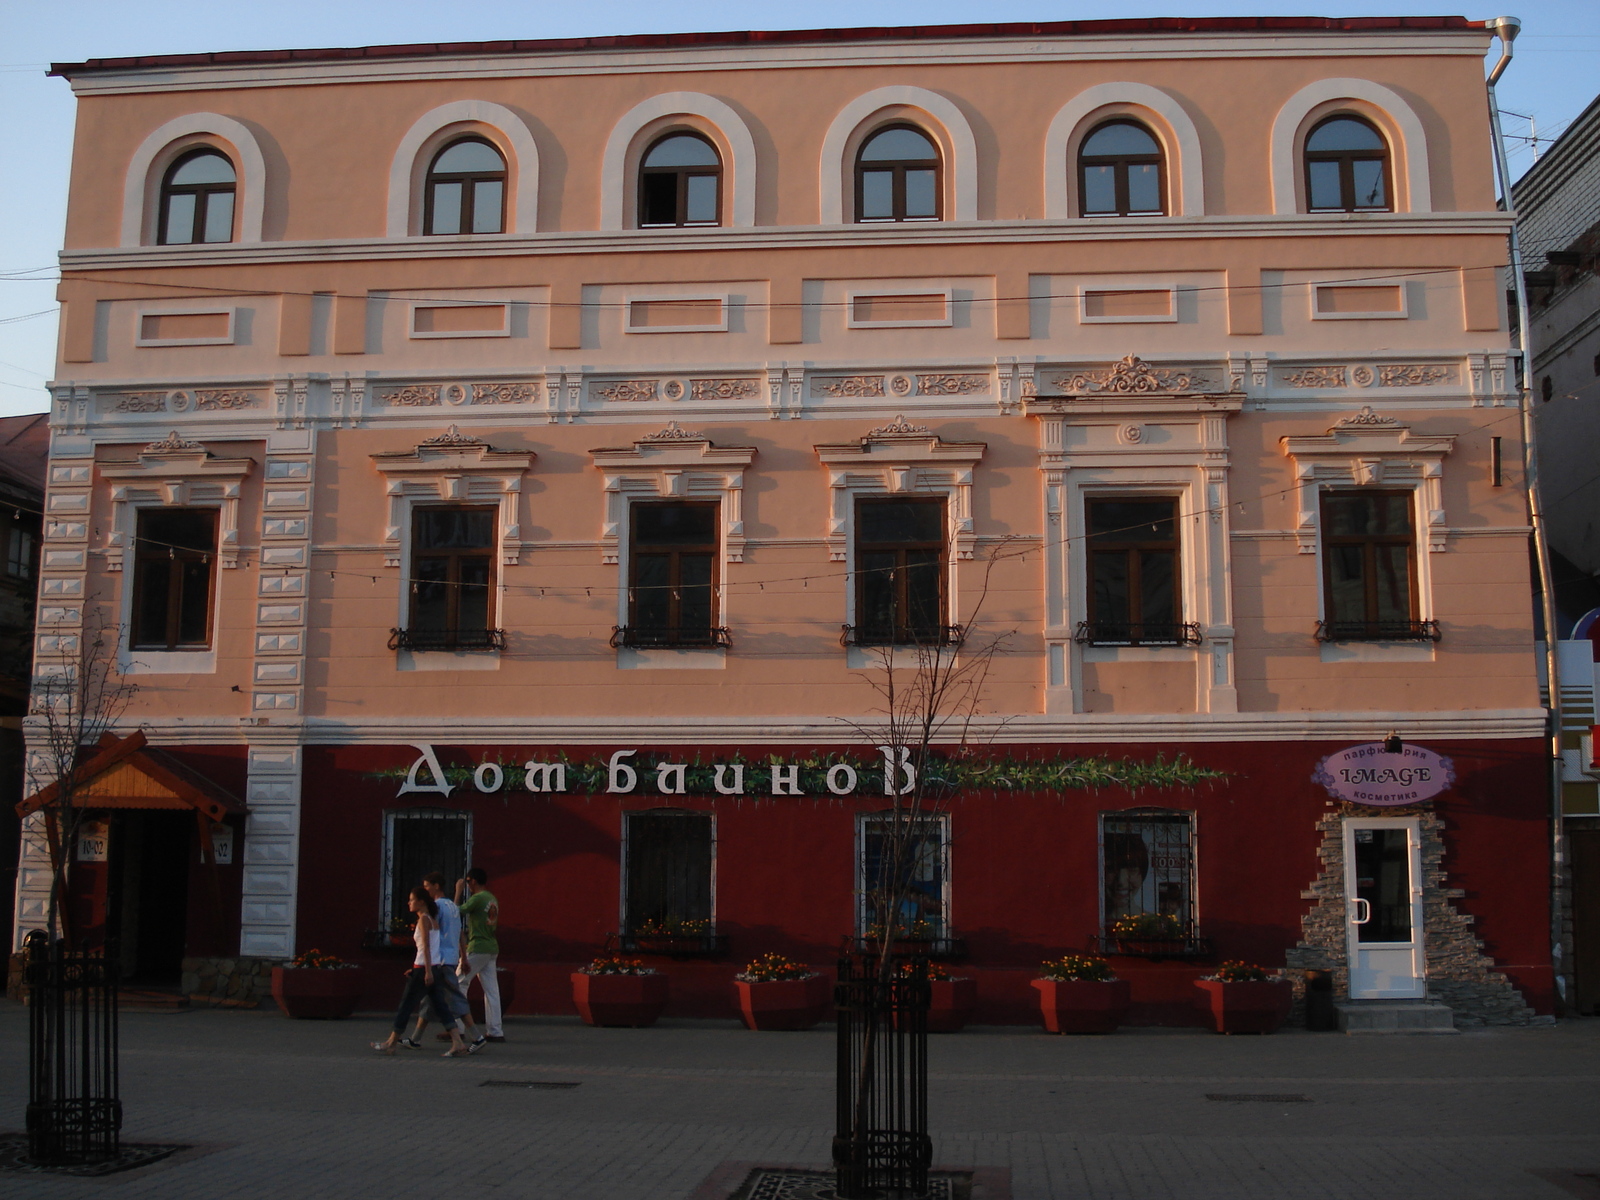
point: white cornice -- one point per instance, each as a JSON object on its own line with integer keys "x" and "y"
{"x": 874, "y": 55}
{"x": 1026, "y": 729}
{"x": 792, "y": 237}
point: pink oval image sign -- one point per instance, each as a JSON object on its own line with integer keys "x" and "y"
{"x": 1368, "y": 774}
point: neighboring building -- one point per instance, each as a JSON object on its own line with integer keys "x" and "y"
{"x": 24, "y": 446}
{"x": 1558, "y": 220}
{"x": 483, "y": 444}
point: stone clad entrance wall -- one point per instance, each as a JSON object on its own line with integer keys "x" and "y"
{"x": 1460, "y": 974}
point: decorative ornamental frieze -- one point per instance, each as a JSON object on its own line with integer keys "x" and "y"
{"x": 453, "y": 439}
{"x": 1411, "y": 375}
{"x": 1362, "y": 376}
{"x": 214, "y": 401}
{"x": 1131, "y": 376}
{"x": 172, "y": 444}
{"x": 899, "y": 427}
{"x": 724, "y": 389}
{"x": 141, "y": 402}
{"x": 951, "y": 385}
{"x": 628, "y": 390}
{"x": 1316, "y": 377}
{"x": 848, "y": 385}
{"x": 502, "y": 393}
{"x": 672, "y": 433}
{"x": 415, "y": 395}
{"x": 1366, "y": 418}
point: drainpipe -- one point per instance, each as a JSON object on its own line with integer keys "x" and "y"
{"x": 1506, "y": 29}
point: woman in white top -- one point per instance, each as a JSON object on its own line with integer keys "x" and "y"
{"x": 420, "y": 979}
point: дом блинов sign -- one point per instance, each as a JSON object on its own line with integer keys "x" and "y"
{"x": 1368, "y": 774}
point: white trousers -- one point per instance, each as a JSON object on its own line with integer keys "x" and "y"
{"x": 481, "y": 967}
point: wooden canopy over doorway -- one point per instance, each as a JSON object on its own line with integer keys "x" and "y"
{"x": 127, "y": 773}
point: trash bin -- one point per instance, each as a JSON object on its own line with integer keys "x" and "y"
{"x": 1321, "y": 1015}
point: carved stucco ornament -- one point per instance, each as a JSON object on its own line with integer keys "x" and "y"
{"x": 172, "y": 444}
{"x": 1131, "y": 376}
{"x": 672, "y": 433}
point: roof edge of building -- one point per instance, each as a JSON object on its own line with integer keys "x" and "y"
{"x": 648, "y": 41}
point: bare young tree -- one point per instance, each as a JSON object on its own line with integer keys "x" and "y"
{"x": 78, "y": 695}
{"x": 931, "y": 690}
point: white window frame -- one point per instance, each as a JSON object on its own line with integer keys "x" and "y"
{"x": 386, "y": 884}
{"x": 622, "y": 861}
{"x": 942, "y": 822}
{"x": 1134, "y": 814}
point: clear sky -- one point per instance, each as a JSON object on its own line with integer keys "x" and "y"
{"x": 1555, "y": 75}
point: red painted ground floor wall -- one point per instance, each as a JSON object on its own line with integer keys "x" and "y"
{"x": 1024, "y": 868}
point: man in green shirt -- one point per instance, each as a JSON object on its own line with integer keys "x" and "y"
{"x": 480, "y": 915}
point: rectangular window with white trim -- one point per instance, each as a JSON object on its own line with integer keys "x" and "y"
{"x": 174, "y": 576}
{"x": 1369, "y": 568}
{"x": 1135, "y": 587}
{"x": 450, "y": 603}
{"x": 901, "y": 584}
{"x": 673, "y": 550}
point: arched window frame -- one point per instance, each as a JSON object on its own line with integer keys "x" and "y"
{"x": 141, "y": 189}
{"x": 1121, "y": 164}
{"x": 935, "y": 115}
{"x": 469, "y": 180}
{"x": 683, "y": 174}
{"x": 691, "y": 112}
{"x": 1379, "y": 106}
{"x": 1158, "y": 112}
{"x": 899, "y": 167}
{"x": 502, "y": 128}
{"x": 1346, "y": 160}
{"x": 203, "y": 194}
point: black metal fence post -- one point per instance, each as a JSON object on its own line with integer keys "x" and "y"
{"x": 74, "y": 1106}
{"x": 881, "y": 1146}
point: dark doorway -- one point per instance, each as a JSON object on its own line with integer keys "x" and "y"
{"x": 1585, "y": 850}
{"x": 148, "y": 893}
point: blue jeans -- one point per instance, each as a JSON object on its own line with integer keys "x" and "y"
{"x": 417, "y": 986}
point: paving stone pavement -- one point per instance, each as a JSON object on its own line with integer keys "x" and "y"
{"x": 302, "y": 1109}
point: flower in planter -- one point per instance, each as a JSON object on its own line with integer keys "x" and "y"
{"x": 1147, "y": 926}
{"x": 1071, "y": 967}
{"x": 774, "y": 968}
{"x": 615, "y": 964}
{"x": 919, "y": 930}
{"x": 316, "y": 960}
{"x": 1238, "y": 971}
{"x": 934, "y": 972}
{"x": 671, "y": 927}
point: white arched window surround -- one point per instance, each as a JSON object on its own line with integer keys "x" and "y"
{"x": 950, "y": 128}
{"x": 1408, "y": 144}
{"x": 505, "y": 129}
{"x": 727, "y": 130}
{"x": 1156, "y": 110}
{"x": 141, "y": 190}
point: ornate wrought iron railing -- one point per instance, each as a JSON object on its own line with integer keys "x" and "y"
{"x": 1378, "y": 631}
{"x": 1138, "y": 633}
{"x": 881, "y": 1145}
{"x": 901, "y": 635}
{"x": 74, "y": 1102}
{"x": 447, "y": 639}
{"x": 671, "y": 637}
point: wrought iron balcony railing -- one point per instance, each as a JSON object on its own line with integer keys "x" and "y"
{"x": 1138, "y": 633}
{"x": 482, "y": 640}
{"x": 671, "y": 637}
{"x": 902, "y": 635}
{"x": 1378, "y": 631}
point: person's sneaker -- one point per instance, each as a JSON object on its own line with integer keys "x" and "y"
{"x": 410, "y": 1043}
{"x": 474, "y": 1047}
{"x": 494, "y": 1037}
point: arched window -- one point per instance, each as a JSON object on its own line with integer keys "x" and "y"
{"x": 466, "y": 189}
{"x": 197, "y": 199}
{"x": 1121, "y": 173}
{"x": 897, "y": 176}
{"x": 680, "y": 183}
{"x": 1347, "y": 167}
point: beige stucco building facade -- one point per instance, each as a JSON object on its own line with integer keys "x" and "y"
{"x": 1172, "y": 353}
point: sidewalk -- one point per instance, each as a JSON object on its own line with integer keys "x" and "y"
{"x": 299, "y": 1109}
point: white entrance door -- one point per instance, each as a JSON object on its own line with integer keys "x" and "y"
{"x": 1383, "y": 908}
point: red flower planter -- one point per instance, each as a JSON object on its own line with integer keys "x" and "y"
{"x": 508, "y": 994}
{"x": 1083, "y": 1005}
{"x": 1259, "y": 1006}
{"x": 312, "y": 993}
{"x": 635, "y": 1000}
{"x": 952, "y": 1003}
{"x": 784, "y": 1003}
